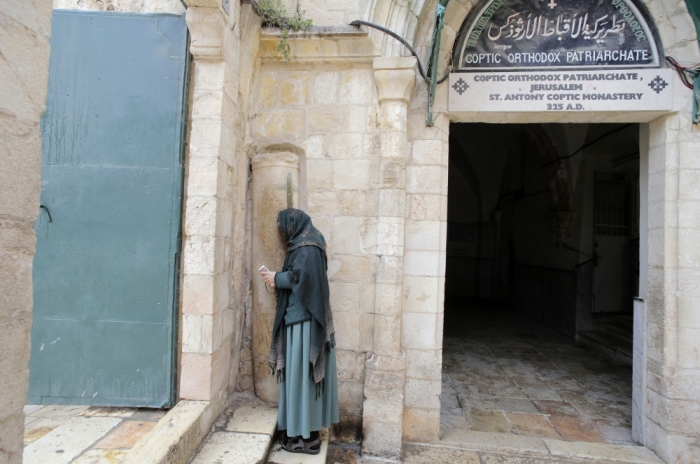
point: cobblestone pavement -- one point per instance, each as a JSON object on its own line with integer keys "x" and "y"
{"x": 84, "y": 434}
{"x": 504, "y": 373}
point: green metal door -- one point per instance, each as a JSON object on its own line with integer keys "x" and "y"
{"x": 108, "y": 233}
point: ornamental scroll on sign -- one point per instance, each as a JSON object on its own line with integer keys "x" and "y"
{"x": 584, "y": 34}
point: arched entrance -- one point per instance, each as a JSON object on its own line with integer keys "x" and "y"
{"x": 659, "y": 344}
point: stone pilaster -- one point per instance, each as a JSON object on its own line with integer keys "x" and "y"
{"x": 385, "y": 375}
{"x": 205, "y": 361}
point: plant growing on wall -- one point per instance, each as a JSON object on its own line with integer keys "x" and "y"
{"x": 274, "y": 14}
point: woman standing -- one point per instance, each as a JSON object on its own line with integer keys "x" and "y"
{"x": 302, "y": 354}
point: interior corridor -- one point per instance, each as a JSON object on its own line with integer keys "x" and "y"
{"x": 505, "y": 373}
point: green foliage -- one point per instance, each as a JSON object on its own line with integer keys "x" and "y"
{"x": 274, "y": 14}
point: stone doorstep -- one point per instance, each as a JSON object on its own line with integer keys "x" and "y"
{"x": 485, "y": 443}
{"x": 246, "y": 439}
{"x": 176, "y": 436}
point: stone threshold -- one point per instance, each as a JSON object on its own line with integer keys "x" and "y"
{"x": 488, "y": 444}
{"x": 176, "y": 436}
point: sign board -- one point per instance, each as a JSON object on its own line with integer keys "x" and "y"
{"x": 572, "y": 90}
{"x": 583, "y": 34}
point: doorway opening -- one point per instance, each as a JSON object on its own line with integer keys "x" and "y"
{"x": 542, "y": 268}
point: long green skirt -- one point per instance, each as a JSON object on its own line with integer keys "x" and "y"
{"x": 300, "y": 410}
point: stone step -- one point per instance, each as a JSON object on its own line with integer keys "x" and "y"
{"x": 610, "y": 345}
{"x": 246, "y": 440}
{"x": 471, "y": 447}
{"x": 279, "y": 456}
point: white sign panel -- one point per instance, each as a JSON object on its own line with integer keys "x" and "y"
{"x": 609, "y": 90}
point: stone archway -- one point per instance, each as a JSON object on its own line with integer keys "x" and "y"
{"x": 669, "y": 349}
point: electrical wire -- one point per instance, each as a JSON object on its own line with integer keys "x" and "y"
{"x": 586, "y": 145}
{"x": 687, "y": 74}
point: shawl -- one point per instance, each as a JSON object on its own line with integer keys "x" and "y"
{"x": 307, "y": 265}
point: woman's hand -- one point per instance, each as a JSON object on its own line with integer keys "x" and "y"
{"x": 268, "y": 277}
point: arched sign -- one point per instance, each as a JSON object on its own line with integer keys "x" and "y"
{"x": 561, "y": 56}
{"x": 583, "y": 34}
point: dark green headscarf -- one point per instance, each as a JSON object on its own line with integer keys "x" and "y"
{"x": 307, "y": 265}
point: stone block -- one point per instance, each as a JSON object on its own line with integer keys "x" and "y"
{"x": 199, "y": 255}
{"x": 345, "y": 296}
{"x": 688, "y": 250}
{"x": 421, "y": 425}
{"x": 346, "y": 234}
{"x": 228, "y": 447}
{"x": 393, "y": 144}
{"x": 390, "y": 236}
{"x": 208, "y": 75}
{"x": 388, "y": 299}
{"x": 424, "y": 364}
{"x": 195, "y": 376}
{"x": 381, "y": 439}
{"x": 315, "y": 147}
{"x": 207, "y": 104}
{"x": 394, "y": 116}
{"x": 351, "y": 366}
{"x": 688, "y": 311}
{"x": 269, "y": 91}
{"x": 358, "y": 203}
{"x": 221, "y": 368}
{"x": 387, "y": 334}
{"x": 295, "y": 88}
{"x": 200, "y": 215}
{"x": 367, "y": 336}
{"x": 392, "y": 203}
{"x": 280, "y": 124}
{"x": 355, "y": 118}
{"x": 419, "y": 331}
{"x": 354, "y": 174}
{"x": 689, "y": 348}
{"x": 688, "y": 185}
{"x": 392, "y": 173}
{"x": 421, "y": 294}
{"x": 326, "y": 119}
{"x": 357, "y": 87}
{"x": 197, "y": 332}
{"x": 205, "y": 134}
{"x": 371, "y": 145}
{"x": 425, "y": 207}
{"x": 390, "y": 269}
{"x": 326, "y": 85}
{"x": 382, "y": 410}
{"x": 423, "y": 394}
{"x": 422, "y": 263}
{"x": 688, "y": 217}
{"x": 202, "y": 177}
{"x": 348, "y": 330}
{"x": 345, "y": 146}
{"x": 322, "y": 203}
{"x": 253, "y": 419}
{"x": 423, "y": 235}
{"x": 424, "y": 179}
{"x": 427, "y": 152}
{"x": 350, "y": 397}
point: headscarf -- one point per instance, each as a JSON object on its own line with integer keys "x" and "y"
{"x": 306, "y": 264}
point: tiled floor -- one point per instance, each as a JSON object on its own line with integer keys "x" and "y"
{"x": 504, "y": 373}
{"x": 84, "y": 434}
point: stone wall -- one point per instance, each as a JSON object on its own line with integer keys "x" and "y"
{"x": 131, "y": 6}
{"x": 25, "y": 27}
{"x": 330, "y": 111}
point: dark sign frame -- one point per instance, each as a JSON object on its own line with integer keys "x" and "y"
{"x": 551, "y": 48}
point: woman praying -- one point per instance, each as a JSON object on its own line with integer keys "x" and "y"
{"x": 302, "y": 354}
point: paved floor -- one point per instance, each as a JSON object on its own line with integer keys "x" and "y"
{"x": 84, "y": 434}
{"x": 504, "y": 373}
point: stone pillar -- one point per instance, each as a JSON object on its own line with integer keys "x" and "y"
{"x": 25, "y": 29}
{"x": 208, "y": 213}
{"x": 275, "y": 186}
{"x": 385, "y": 375}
